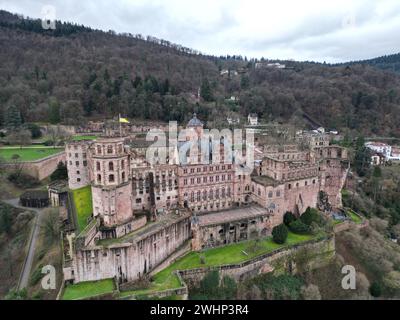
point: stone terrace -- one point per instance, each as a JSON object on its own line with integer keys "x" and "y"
{"x": 232, "y": 215}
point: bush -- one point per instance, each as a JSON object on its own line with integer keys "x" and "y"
{"x": 280, "y": 234}
{"x": 375, "y": 289}
{"x": 310, "y": 216}
{"x": 288, "y": 218}
{"x": 299, "y": 227}
{"x": 23, "y": 180}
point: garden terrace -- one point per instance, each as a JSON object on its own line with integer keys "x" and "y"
{"x": 227, "y": 256}
{"x": 86, "y": 290}
{"x": 28, "y": 153}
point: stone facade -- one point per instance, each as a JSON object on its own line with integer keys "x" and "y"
{"x": 144, "y": 212}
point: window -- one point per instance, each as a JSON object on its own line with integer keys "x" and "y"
{"x": 85, "y": 163}
{"x": 139, "y": 200}
{"x": 123, "y": 176}
{"x": 270, "y": 195}
{"x": 76, "y": 155}
{"x": 99, "y": 178}
{"x": 185, "y": 182}
{"x": 111, "y": 178}
{"x": 77, "y": 163}
{"x": 109, "y": 149}
{"x": 78, "y": 180}
{"x": 123, "y": 164}
{"x": 98, "y": 166}
{"x": 98, "y": 149}
{"x": 111, "y": 166}
{"x": 78, "y": 172}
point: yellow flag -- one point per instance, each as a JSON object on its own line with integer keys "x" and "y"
{"x": 123, "y": 120}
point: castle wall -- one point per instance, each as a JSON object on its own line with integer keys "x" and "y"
{"x": 129, "y": 262}
{"x": 43, "y": 168}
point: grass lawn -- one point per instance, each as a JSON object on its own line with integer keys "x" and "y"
{"x": 230, "y": 254}
{"x": 83, "y": 205}
{"x": 29, "y": 153}
{"x": 81, "y": 138}
{"x": 354, "y": 217}
{"x": 88, "y": 289}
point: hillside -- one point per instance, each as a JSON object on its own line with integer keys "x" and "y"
{"x": 387, "y": 62}
{"x": 76, "y": 72}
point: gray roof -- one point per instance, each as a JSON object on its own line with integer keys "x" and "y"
{"x": 194, "y": 122}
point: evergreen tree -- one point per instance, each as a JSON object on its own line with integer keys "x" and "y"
{"x": 54, "y": 111}
{"x": 205, "y": 91}
{"x": 13, "y": 118}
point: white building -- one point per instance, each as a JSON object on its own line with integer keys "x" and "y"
{"x": 380, "y": 147}
{"x": 253, "y": 119}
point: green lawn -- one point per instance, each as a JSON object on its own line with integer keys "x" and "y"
{"x": 83, "y": 204}
{"x": 81, "y": 138}
{"x": 231, "y": 254}
{"x": 29, "y": 153}
{"x": 354, "y": 217}
{"x": 88, "y": 289}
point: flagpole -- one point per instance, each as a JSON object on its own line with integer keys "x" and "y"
{"x": 120, "y": 126}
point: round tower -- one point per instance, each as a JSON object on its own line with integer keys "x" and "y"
{"x": 111, "y": 183}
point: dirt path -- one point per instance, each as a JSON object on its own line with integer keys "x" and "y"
{"x": 26, "y": 269}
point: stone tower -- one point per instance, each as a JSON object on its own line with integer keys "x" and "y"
{"x": 111, "y": 182}
{"x": 77, "y": 163}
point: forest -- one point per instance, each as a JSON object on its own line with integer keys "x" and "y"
{"x": 74, "y": 73}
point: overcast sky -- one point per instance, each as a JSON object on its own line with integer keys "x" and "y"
{"x": 332, "y": 31}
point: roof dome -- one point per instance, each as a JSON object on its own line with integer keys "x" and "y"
{"x": 194, "y": 122}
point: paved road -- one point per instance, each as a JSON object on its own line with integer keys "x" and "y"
{"x": 26, "y": 271}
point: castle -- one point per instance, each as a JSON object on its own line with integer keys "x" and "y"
{"x": 145, "y": 212}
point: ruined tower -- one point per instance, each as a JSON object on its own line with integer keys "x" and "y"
{"x": 111, "y": 183}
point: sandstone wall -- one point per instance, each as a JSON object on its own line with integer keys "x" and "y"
{"x": 127, "y": 261}
{"x": 319, "y": 253}
{"x": 43, "y": 168}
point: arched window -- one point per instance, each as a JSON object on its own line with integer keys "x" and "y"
{"x": 111, "y": 166}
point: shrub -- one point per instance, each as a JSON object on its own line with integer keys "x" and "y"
{"x": 22, "y": 180}
{"x": 310, "y": 216}
{"x": 299, "y": 227}
{"x": 288, "y": 218}
{"x": 280, "y": 234}
{"x": 376, "y": 289}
